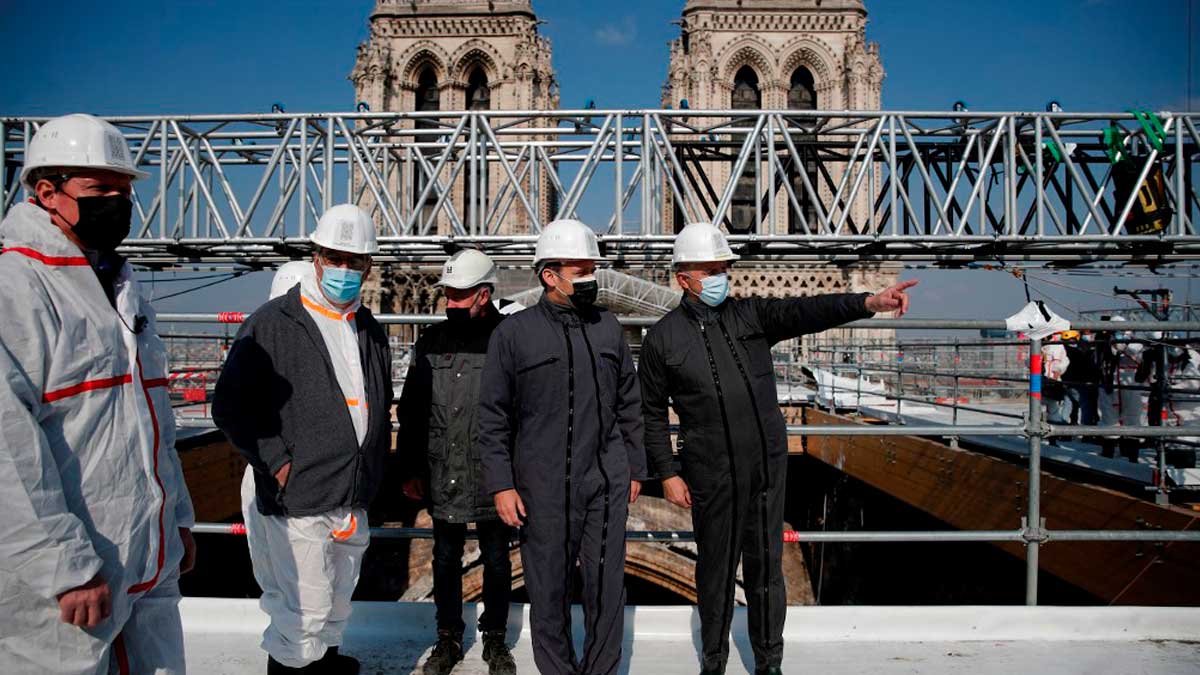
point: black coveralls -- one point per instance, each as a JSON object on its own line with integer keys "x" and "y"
{"x": 438, "y": 425}
{"x": 560, "y": 421}
{"x": 714, "y": 367}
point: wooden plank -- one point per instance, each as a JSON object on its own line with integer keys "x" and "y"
{"x": 972, "y": 491}
{"x": 213, "y": 473}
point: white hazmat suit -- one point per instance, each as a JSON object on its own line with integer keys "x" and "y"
{"x": 89, "y": 478}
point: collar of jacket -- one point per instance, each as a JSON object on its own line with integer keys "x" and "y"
{"x": 566, "y": 314}
{"x": 698, "y": 311}
{"x": 292, "y": 308}
{"x": 480, "y": 324}
{"x": 29, "y": 227}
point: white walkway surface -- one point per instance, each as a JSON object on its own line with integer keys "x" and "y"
{"x": 222, "y": 637}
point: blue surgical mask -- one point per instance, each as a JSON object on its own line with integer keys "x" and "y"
{"x": 714, "y": 289}
{"x": 341, "y": 284}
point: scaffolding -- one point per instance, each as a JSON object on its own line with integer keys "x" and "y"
{"x": 945, "y": 187}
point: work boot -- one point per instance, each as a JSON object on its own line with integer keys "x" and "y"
{"x": 769, "y": 670}
{"x": 446, "y": 654}
{"x": 497, "y": 655}
{"x": 334, "y": 663}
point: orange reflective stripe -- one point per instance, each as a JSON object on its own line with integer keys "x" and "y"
{"x": 343, "y": 535}
{"x": 327, "y": 313}
{"x": 352, "y": 402}
{"x": 58, "y": 261}
{"x": 89, "y": 385}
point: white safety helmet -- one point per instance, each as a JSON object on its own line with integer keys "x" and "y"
{"x": 346, "y": 228}
{"x": 701, "y": 243}
{"x": 567, "y": 240}
{"x": 289, "y": 274}
{"x": 79, "y": 141}
{"x": 467, "y": 269}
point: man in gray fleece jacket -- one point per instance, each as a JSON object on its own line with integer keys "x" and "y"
{"x": 305, "y": 396}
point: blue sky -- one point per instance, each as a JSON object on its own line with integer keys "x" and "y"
{"x": 145, "y": 57}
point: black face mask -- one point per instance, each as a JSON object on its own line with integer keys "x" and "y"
{"x": 585, "y": 293}
{"x": 458, "y": 314}
{"x": 103, "y": 221}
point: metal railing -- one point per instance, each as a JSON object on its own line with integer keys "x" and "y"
{"x": 789, "y": 185}
{"x": 1032, "y": 532}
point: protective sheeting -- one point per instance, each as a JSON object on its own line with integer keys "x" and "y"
{"x": 847, "y": 392}
{"x": 1037, "y": 321}
{"x": 89, "y": 476}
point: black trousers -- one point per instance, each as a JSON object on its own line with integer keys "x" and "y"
{"x": 552, "y": 541}
{"x": 448, "y": 541}
{"x": 731, "y": 519}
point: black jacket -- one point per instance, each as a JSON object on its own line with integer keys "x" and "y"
{"x": 559, "y": 393}
{"x": 278, "y": 400}
{"x": 675, "y": 367}
{"x": 438, "y": 418}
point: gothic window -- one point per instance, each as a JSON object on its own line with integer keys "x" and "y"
{"x": 746, "y": 96}
{"x": 478, "y": 94}
{"x": 427, "y": 99}
{"x": 427, "y": 91}
{"x": 802, "y": 95}
{"x": 478, "y": 98}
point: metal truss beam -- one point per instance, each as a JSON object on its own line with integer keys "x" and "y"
{"x": 828, "y": 186}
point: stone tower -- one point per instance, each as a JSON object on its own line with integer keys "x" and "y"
{"x": 451, "y": 55}
{"x": 777, "y": 55}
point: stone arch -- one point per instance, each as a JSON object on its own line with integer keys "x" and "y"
{"x": 474, "y": 53}
{"x": 813, "y": 54}
{"x": 747, "y": 51}
{"x": 421, "y": 54}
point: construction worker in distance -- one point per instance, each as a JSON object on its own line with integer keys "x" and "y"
{"x": 560, "y": 436}
{"x": 438, "y": 424}
{"x": 305, "y": 396}
{"x": 710, "y": 358}
{"x": 97, "y": 527}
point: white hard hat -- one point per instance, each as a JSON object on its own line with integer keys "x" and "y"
{"x": 467, "y": 269}
{"x": 288, "y": 275}
{"x": 347, "y": 228}
{"x": 567, "y": 240}
{"x": 701, "y": 243}
{"x": 79, "y": 141}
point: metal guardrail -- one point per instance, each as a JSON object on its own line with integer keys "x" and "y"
{"x": 1032, "y": 533}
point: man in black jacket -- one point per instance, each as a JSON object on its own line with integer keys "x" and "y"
{"x": 437, "y": 413}
{"x": 560, "y": 436}
{"x": 710, "y": 358}
{"x": 305, "y": 396}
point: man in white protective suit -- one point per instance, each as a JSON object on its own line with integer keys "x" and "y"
{"x": 305, "y": 396}
{"x": 97, "y": 520}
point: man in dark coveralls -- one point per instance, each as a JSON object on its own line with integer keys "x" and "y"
{"x": 710, "y": 358}
{"x": 560, "y": 437}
